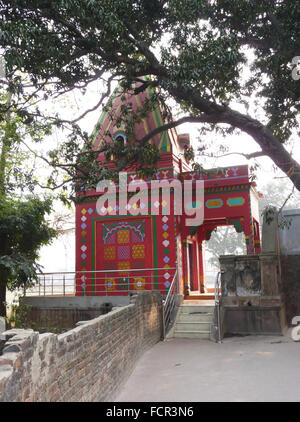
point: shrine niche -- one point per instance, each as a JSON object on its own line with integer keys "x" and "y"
{"x": 117, "y": 252}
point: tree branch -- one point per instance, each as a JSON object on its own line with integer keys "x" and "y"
{"x": 248, "y": 156}
{"x": 187, "y": 119}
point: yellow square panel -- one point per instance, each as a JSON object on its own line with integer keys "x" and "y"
{"x": 109, "y": 252}
{"x": 123, "y": 236}
{"x": 123, "y": 265}
{"x": 138, "y": 251}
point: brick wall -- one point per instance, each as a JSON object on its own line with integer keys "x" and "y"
{"x": 58, "y": 319}
{"x": 88, "y": 363}
{"x": 290, "y": 274}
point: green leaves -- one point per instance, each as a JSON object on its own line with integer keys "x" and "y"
{"x": 194, "y": 50}
{"x": 23, "y": 230}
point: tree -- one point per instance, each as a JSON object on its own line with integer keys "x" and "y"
{"x": 192, "y": 51}
{"x": 273, "y": 195}
{"x": 225, "y": 241}
{"x": 23, "y": 230}
{"x": 23, "y": 225}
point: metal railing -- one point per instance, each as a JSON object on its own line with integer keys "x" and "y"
{"x": 102, "y": 282}
{"x": 169, "y": 304}
{"x": 218, "y": 291}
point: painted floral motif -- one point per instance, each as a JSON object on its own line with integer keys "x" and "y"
{"x": 110, "y": 284}
{"x": 139, "y": 283}
{"x": 138, "y": 227}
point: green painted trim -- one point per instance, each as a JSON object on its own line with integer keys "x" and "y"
{"x": 98, "y": 126}
{"x": 104, "y": 115}
{"x": 164, "y": 137}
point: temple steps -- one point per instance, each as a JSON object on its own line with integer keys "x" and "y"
{"x": 194, "y": 320}
{"x": 202, "y": 296}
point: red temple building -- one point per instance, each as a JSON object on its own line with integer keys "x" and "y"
{"x": 117, "y": 251}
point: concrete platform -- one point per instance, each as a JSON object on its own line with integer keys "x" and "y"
{"x": 252, "y": 368}
{"x": 202, "y": 302}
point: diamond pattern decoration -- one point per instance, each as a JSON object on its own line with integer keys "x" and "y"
{"x": 124, "y": 252}
{"x": 165, "y": 243}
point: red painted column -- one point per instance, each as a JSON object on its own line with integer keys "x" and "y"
{"x": 249, "y": 235}
{"x": 201, "y": 266}
{"x": 185, "y": 266}
{"x": 257, "y": 245}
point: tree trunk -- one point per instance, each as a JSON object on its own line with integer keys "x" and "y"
{"x": 2, "y": 299}
{"x": 4, "y": 150}
{"x": 270, "y": 145}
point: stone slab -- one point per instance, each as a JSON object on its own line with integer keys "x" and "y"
{"x": 75, "y": 302}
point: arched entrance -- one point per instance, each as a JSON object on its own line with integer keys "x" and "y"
{"x": 197, "y": 279}
{"x": 224, "y": 240}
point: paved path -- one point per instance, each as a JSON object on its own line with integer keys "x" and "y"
{"x": 252, "y": 368}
